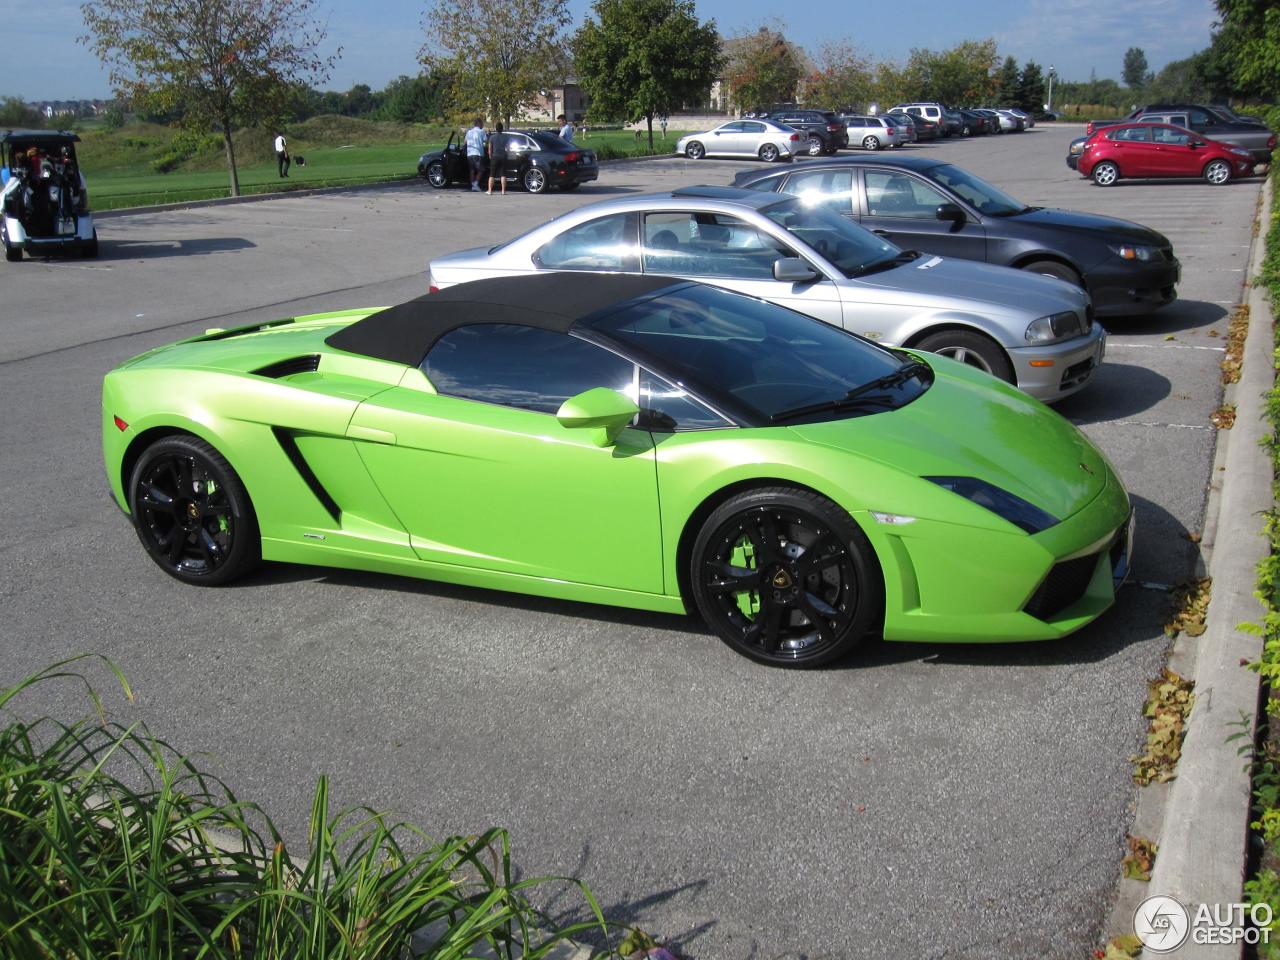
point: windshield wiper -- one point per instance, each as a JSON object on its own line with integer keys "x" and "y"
{"x": 862, "y": 395}
{"x": 906, "y": 256}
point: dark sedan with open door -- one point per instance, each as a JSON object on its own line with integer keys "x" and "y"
{"x": 536, "y": 159}
{"x": 922, "y": 204}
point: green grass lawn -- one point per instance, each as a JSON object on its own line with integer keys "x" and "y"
{"x": 339, "y": 151}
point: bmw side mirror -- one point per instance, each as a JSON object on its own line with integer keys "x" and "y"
{"x": 950, "y": 211}
{"x": 600, "y": 409}
{"x": 793, "y": 270}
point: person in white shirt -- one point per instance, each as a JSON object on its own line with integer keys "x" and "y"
{"x": 475, "y": 141}
{"x": 282, "y": 155}
{"x": 566, "y": 128}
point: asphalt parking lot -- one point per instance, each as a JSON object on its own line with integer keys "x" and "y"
{"x": 923, "y": 801}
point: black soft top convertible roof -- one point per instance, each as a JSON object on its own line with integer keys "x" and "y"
{"x": 552, "y": 301}
{"x": 39, "y": 137}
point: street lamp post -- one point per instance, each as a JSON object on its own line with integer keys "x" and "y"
{"x": 1049, "y": 106}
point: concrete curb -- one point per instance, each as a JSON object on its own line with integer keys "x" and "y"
{"x": 1203, "y": 841}
{"x": 406, "y": 181}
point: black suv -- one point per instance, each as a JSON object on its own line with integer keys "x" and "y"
{"x": 822, "y": 128}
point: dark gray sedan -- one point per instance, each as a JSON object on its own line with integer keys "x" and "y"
{"x": 929, "y": 205}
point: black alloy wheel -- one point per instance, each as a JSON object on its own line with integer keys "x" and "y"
{"x": 436, "y": 175}
{"x": 785, "y": 577}
{"x": 192, "y": 513}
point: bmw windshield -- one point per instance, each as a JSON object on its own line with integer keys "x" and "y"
{"x": 851, "y": 249}
{"x": 767, "y": 364}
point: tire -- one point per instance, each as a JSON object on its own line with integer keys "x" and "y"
{"x": 1052, "y": 268}
{"x": 192, "y": 513}
{"x": 12, "y": 253}
{"x": 871, "y": 143}
{"x": 534, "y": 180}
{"x": 965, "y": 132}
{"x": 1106, "y": 174}
{"x": 569, "y": 187}
{"x": 1217, "y": 172}
{"x": 816, "y": 148}
{"x": 695, "y": 151}
{"x": 818, "y": 588}
{"x": 436, "y": 175}
{"x": 972, "y": 349}
{"x": 90, "y": 250}
{"x": 769, "y": 153}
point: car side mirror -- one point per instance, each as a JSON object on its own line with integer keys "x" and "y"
{"x": 1196, "y": 143}
{"x": 793, "y": 270}
{"x": 950, "y": 211}
{"x": 598, "y": 408}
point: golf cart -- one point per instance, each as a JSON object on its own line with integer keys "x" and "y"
{"x": 46, "y": 203}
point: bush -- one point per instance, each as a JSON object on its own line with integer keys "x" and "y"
{"x": 114, "y": 845}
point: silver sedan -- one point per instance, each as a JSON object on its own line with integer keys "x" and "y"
{"x": 745, "y": 138}
{"x": 1030, "y": 330}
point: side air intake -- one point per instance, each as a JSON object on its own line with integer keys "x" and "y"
{"x": 287, "y": 368}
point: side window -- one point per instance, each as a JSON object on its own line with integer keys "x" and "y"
{"x": 665, "y": 408}
{"x": 607, "y": 243}
{"x": 735, "y": 127}
{"x": 897, "y": 195}
{"x": 1132, "y": 134}
{"x": 708, "y": 245}
{"x": 915, "y": 111}
{"x": 1199, "y": 119}
{"x": 1171, "y": 136}
{"x": 828, "y": 189}
{"x": 517, "y": 366}
{"x": 750, "y": 126}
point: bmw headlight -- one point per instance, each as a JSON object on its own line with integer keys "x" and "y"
{"x": 1023, "y": 515}
{"x": 1136, "y": 252}
{"x": 1055, "y": 327}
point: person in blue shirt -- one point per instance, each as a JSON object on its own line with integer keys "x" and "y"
{"x": 566, "y": 128}
{"x": 475, "y": 141}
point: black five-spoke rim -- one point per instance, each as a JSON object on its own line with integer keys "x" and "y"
{"x": 184, "y": 514}
{"x": 780, "y": 582}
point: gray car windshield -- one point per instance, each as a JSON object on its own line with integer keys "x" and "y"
{"x": 981, "y": 195}
{"x": 851, "y": 249}
{"x": 779, "y": 365}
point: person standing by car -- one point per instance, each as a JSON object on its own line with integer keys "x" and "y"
{"x": 282, "y": 155}
{"x": 475, "y": 151}
{"x": 498, "y": 159}
{"x": 566, "y": 128}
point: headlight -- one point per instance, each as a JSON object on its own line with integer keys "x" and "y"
{"x": 1055, "y": 327}
{"x": 1136, "y": 253}
{"x": 1023, "y": 515}
{"x": 1240, "y": 153}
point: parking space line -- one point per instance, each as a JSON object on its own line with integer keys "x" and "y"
{"x": 1113, "y": 344}
{"x": 1144, "y": 423}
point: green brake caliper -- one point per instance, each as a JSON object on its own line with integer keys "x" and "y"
{"x": 744, "y": 555}
{"x": 210, "y": 488}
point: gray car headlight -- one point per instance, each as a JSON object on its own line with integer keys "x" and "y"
{"x": 1055, "y": 327}
{"x": 1136, "y": 252}
{"x": 1023, "y": 515}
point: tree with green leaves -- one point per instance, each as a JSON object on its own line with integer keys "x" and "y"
{"x": 15, "y": 112}
{"x": 1030, "y": 88}
{"x": 764, "y": 67}
{"x": 961, "y": 74}
{"x": 500, "y": 53}
{"x": 1250, "y": 44}
{"x": 1008, "y": 81}
{"x": 225, "y": 63}
{"x": 640, "y": 59}
{"x": 1134, "y": 73}
{"x": 842, "y": 78}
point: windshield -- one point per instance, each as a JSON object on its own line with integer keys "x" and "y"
{"x": 982, "y": 195}
{"x": 851, "y": 249}
{"x": 759, "y": 357}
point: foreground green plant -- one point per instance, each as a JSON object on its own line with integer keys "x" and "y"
{"x": 114, "y": 845}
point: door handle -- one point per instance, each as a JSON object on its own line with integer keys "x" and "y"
{"x": 881, "y": 233}
{"x": 372, "y": 434}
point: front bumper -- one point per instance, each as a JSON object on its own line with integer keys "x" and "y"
{"x": 1073, "y": 160}
{"x": 1124, "y": 288}
{"x": 1055, "y": 371}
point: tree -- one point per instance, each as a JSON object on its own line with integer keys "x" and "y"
{"x": 14, "y": 112}
{"x": 500, "y": 53}
{"x": 843, "y": 78}
{"x": 417, "y": 99}
{"x": 763, "y": 68}
{"x": 961, "y": 74}
{"x": 1031, "y": 88}
{"x": 227, "y": 63}
{"x": 1250, "y": 43}
{"x": 1135, "y": 68}
{"x": 1008, "y": 81}
{"x": 641, "y": 59}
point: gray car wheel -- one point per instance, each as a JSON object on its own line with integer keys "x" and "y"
{"x": 768, "y": 153}
{"x": 1217, "y": 172}
{"x": 871, "y": 143}
{"x": 815, "y": 147}
{"x": 535, "y": 181}
{"x": 695, "y": 151}
{"x": 972, "y": 349}
{"x": 436, "y": 176}
{"x": 1106, "y": 174}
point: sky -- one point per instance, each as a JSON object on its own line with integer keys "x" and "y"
{"x": 380, "y": 39}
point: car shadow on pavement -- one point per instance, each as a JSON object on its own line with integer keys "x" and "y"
{"x": 131, "y": 250}
{"x": 1118, "y": 391}
{"x": 1178, "y": 316}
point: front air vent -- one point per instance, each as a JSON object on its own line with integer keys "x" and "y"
{"x": 1065, "y": 584}
{"x": 287, "y": 368}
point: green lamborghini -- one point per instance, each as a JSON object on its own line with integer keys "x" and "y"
{"x": 628, "y": 440}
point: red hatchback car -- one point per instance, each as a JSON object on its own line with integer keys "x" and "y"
{"x": 1138, "y": 150}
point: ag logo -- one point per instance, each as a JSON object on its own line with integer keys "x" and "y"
{"x": 1161, "y": 923}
